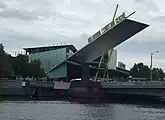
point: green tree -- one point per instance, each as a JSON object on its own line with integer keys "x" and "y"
{"x": 143, "y": 71}
{"x": 23, "y": 67}
{"x": 19, "y": 66}
{"x": 157, "y": 74}
{"x": 5, "y": 64}
{"x": 19, "y": 62}
{"x": 34, "y": 69}
{"x": 140, "y": 70}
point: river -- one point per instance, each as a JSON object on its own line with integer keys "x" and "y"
{"x": 63, "y": 110}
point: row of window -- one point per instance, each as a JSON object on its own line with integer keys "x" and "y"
{"x": 50, "y": 58}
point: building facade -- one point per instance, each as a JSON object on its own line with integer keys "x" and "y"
{"x": 53, "y": 61}
{"x": 50, "y": 57}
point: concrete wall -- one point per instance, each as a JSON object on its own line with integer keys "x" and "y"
{"x": 137, "y": 91}
{"x": 10, "y": 84}
{"x": 134, "y": 88}
{"x": 13, "y": 91}
{"x": 11, "y": 87}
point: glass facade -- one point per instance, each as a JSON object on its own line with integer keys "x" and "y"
{"x": 69, "y": 52}
{"x": 59, "y": 72}
{"x": 52, "y": 58}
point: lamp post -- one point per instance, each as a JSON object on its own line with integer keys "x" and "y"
{"x": 151, "y": 63}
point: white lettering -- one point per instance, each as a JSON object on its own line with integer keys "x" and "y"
{"x": 103, "y": 30}
{"x": 120, "y": 18}
{"x": 107, "y": 27}
{"x": 111, "y": 25}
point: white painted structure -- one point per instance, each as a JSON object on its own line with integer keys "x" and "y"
{"x": 23, "y": 84}
{"x": 112, "y": 59}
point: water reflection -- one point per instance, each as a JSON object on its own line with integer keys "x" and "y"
{"x": 99, "y": 111}
{"x": 63, "y": 110}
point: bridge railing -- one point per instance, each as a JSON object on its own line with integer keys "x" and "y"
{"x": 137, "y": 84}
{"x": 41, "y": 83}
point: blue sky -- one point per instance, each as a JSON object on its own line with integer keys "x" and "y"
{"x": 29, "y": 23}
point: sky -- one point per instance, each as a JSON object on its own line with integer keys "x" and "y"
{"x": 31, "y": 23}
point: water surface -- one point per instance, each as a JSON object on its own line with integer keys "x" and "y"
{"x": 62, "y": 110}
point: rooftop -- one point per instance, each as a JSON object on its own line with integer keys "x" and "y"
{"x": 48, "y": 48}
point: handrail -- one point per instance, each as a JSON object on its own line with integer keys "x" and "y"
{"x": 133, "y": 82}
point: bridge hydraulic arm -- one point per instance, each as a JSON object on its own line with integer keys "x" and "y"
{"x": 102, "y": 56}
{"x": 117, "y": 6}
{"x": 106, "y": 70}
{"x": 112, "y": 48}
{"x": 115, "y": 12}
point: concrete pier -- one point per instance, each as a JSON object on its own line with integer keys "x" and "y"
{"x": 83, "y": 89}
{"x": 150, "y": 88}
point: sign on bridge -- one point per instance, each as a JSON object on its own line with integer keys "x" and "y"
{"x": 107, "y": 28}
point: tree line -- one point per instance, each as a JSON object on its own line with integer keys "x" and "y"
{"x": 143, "y": 71}
{"x": 19, "y": 66}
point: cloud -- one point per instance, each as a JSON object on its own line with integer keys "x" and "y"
{"x": 28, "y": 23}
{"x": 2, "y": 5}
{"x": 24, "y": 10}
{"x": 160, "y": 19}
{"x": 134, "y": 51}
{"x": 149, "y": 4}
{"x": 16, "y": 13}
{"x": 21, "y": 40}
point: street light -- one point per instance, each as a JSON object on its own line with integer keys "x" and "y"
{"x": 151, "y": 63}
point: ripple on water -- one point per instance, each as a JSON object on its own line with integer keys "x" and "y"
{"x": 63, "y": 110}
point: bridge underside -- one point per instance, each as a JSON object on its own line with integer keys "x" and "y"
{"x": 110, "y": 39}
{"x": 75, "y": 71}
{"x": 107, "y": 41}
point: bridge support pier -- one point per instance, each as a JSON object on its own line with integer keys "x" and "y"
{"x": 85, "y": 89}
{"x": 85, "y": 74}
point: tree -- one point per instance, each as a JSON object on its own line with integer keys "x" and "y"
{"x": 143, "y": 71}
{"x": 18, "y": 63}
{"x": 19, "y": 66}
{"x": 5, "y": 65}
{"x": 140, "y": 70}
{"x": 157, "y": 74}
{"x": 33, "y": 69}
{"x": 22, "y": 67}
